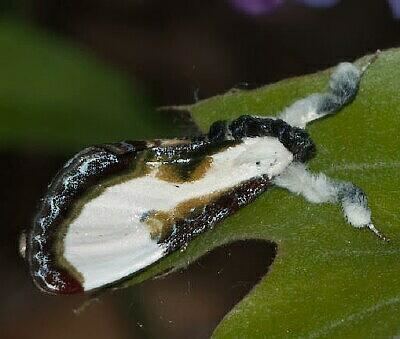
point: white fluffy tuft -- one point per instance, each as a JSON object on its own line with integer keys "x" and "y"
{"x": 356, "y": 214}
{"x": 302, "y": 111}
{"x": 345, "y": 73}
{"x": 343, "y": 86}
{"x": 315, "y": 188}
{"x": 318, "y": 188}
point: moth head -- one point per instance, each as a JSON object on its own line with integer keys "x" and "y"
{"x": 301, "y": 145}
{"x": 295, "y": 139}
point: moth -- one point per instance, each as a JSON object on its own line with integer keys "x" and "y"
{"x": 115, "y": 209}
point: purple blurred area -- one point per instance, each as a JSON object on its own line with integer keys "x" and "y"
{"x": 395, "y": 6}
{"x": 266, "y": 7}
{"x": 256, "y": 7}
{"x": 174, "y": 50}
{"x": 319, "y": 3}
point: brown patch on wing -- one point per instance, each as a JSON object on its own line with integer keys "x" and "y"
{"x": 160, "y": 222}
{"x": 201, "y": 170}
{"x": 169, "y": 173}
{"x": 218, "y": 208}
{"x": 180, "y": 173}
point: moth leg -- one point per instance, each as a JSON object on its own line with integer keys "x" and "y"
{"x": 343, "y": 87}
{"x": 318, "y": 188}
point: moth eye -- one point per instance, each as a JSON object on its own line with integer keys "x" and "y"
{"x": 258, "y": 163}
{"x": 22, "y": 244}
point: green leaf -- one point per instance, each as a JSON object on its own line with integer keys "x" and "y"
{"x": 58, "y": 97}
{"x": 328, "y": 279}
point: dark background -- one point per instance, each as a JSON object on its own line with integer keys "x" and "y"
{"x": 175, "y": 52}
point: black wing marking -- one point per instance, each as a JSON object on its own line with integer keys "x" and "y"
{"x": 207, "y": 216}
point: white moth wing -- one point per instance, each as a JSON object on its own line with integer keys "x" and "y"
{"x": 109, "y": 239}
